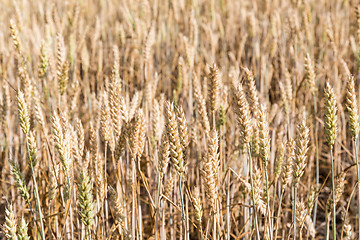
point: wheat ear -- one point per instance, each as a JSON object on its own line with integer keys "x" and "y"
{"x": 61, "y": 64}
{"x": 23, "y": 230}
{"x": 86, "y": 203}
{"x": 241, "y": 108}
{"x": 201, "y": 106}
{"x": 24, "y": 117}
{"x": 214, "y": 79}
{"x": 10, "y": 223}
{"x": 176, "y": 149}
{"x": 44, "y": 60}
{"x": 310, "y": 74}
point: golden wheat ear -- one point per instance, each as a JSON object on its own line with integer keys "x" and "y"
{"x": 86, "y": 204}
{"x": 23, "y": 230}
{"x": 264, "y": 136}
{"x": 44, "y": 60}
{"x": 351, "y": 105}
{"x": 330, "y": 115}
{"x": 105, "y": 121}
{"x": 24, "y": 117}
{"x": 201, "y": 105}
{"x": 210, "y": 167}
{"x": 20, "y": 182}
{"x": 251, "y": 91}
{"x": 10, "y": 223}
{"x": 310, "y": 74}
{"x": 302, "y": 147}
{"x": 176, "y": 150}
{"x": 164, "y": 156}
{"x": 339, "y": 190}
{"x": 183, "y": 131}
{"x": 288, "y": 165}
{"x": 214, "y": 87}
{"x": 242, "y": 110}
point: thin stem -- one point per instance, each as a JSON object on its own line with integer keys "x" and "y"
{"x": 171, "y": 220}
{"x": 133, "y": 217}
{"x": 49, "y": 213}
{"x": 274, "y": 199}
{"x": 327, "y": 221}
{"x": 268, "y": 205}
{"x": 157, "y": 206}
{"x": 358, "y": 180}
{"x": 294, "y": 212}
{"x": 252, "y": 194}
{"x": 38, "y": 204}
{"x": 105, "y": 165}
{"x": 347, "y": 208}
{"x": 33, "y": 215}
{"x": 36, "y": 192}
{"x": 278, "y": 213}
{"x": 182, "y": 205}
{"x": 316, "y": 158}
{"x": 333, "y": 192}
{"x": 88, "y": 232}
{"x": 201, "y": 232}
{"x": 227, "y": 187}
{"x": 182, "y": 199}
{"x": 214, "y": 227}
{"x": 67, "y": 184}
{"x": 245, "y": 199}
{"x": 105, "y": 188}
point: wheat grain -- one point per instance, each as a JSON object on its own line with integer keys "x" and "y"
{"x": 23, "y": 230}
{"x": 10, "y": 223}
{"x": 176, "y": 150}
{"x": 352, "y": 108}
{"x": 86, "y": 203}
{"x": 302, "y": 147}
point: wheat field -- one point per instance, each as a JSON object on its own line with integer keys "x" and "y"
{"x": 184, "y": 119}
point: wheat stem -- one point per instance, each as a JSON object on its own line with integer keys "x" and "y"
{"x": 268, "y": 205}
{"x": 278, "y": 213}
{"x": 157, "y": 205}
{"x": 36, "y": 194}
{"x": 294, "y": 211}
{"x": 105, "y": 188}
{"x": 252, "y": 193}
{"x": 333, "y": 192}
{"x": 316, "y": 158}
{"x": 327, "y": 221}
{"x": 358, "y": 178}
{"x": 182, "y": 199}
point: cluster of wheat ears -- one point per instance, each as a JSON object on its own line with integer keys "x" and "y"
{"x": 185, "y": 119}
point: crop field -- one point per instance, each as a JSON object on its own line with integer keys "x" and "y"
{"x": 183, "y": 119}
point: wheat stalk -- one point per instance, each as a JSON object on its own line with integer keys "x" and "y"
{"x": 198, "y": 209}
{"x": 330, "y": 132}
{"x": 302, "y": 142}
